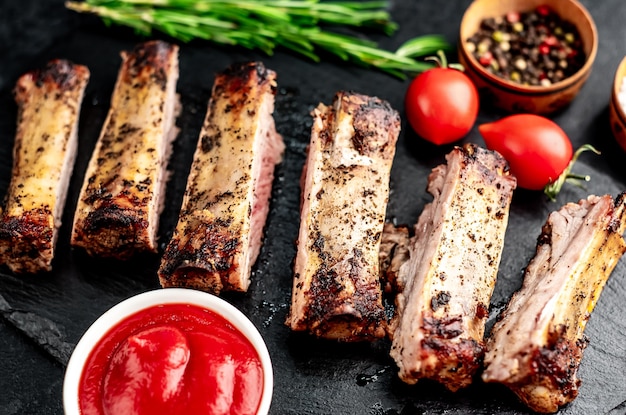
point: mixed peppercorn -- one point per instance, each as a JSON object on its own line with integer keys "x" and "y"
{"x": 530, "y": 48}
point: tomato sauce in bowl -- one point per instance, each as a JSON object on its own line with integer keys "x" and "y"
{"x": 158, "y": 353}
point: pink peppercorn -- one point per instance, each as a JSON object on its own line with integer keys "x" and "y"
{"x": 485, "y": 59}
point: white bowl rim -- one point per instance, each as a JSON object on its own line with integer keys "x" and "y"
{"x": 149, "y": 299}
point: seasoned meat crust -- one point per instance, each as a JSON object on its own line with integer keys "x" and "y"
{"x": 220, "y": 228}
{"x": 345, "y": 188}
{"x": 49, "y": 101}
{"x": 123, "y": 191}
{"x": 536, "y": 347}
{"x": 446, "y": 285}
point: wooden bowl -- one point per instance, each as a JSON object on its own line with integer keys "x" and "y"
{"x": 617, "y": 115}
{"x": 514, "y": 97}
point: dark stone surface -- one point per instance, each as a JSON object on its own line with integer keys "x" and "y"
{"x": 45, "y": 313}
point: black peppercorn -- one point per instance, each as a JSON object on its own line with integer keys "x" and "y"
{"x": 531, "y": 48}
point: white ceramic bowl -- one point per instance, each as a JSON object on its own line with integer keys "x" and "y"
{"x": 149, "y": 299}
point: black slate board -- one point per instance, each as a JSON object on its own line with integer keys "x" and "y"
{"x": 44, "y": 316}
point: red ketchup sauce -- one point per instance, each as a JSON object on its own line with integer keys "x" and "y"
{"x": 172, "y": 359}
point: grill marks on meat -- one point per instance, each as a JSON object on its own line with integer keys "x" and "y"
{"x": 446, "y": 284}
{"x": 49, "y": 103}
{"x": 345, "y": 187}
{"x": 219, "y": 233}
{"x": 536, "y": 347}
{"x": 123, "y": 192}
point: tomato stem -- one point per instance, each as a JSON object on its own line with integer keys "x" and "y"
{"x": 442, "y": 61}
{"x": 552, "y": 189}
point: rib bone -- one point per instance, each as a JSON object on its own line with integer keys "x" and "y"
{"x": 336, "y": 289}
{"x": 451, "y": 272}
{"x": 536, "y": 347}
{"x": 123, "y": 191}
{"x": 219, "y": 232}
{"x": 49, "y": 103}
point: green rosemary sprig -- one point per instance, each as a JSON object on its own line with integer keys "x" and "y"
{"x": 297, "y": 25}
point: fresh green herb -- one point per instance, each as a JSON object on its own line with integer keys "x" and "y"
{"x": 297, "y": 25}
{"x": 553, "y": 189}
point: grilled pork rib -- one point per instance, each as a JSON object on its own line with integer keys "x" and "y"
{"x": 219, "y": 232}
{"x": 451, "y": 272}
{"x": 122, "y": 195}
{"x": 536, "y": 347}
{"x": 394, "y": 251}
{"x": 336, "y": 290}
{"x": 49, "y": 103}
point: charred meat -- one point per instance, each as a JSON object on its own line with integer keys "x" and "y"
{"x": 446, "y": 284}
{"x": 220, "y": 228}
{"x": 345, "y": 187}
{"x": 49, "y": 103}
{"x": 394, "y": 251}
{"x": 536, "y": 347}
{"x": 123, "y": 191}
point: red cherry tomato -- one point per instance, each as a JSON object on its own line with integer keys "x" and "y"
{"x": 441, "y": 105}
{"x": 537, "y": 149}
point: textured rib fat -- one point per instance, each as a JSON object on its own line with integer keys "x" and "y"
{"x": 536, "y": 347}
{"x": 220, "y": 228}
{"x": 336, "y": 291}
{"x": 122, "y": 196}
{"x": 449, "y": 278}
{"x": 49, "y": 103}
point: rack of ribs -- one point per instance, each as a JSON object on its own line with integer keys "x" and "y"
{"x": 446, "y": 284}
{"x": 49, "y": 102}
{"x": 122, "y": 196}
{"x": 536, "y": 347}
{"x": 220, "y": 228}
{"x": 345, "y": 188}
